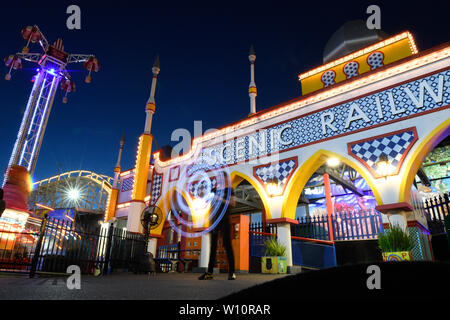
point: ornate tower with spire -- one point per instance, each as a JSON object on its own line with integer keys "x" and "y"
{"x": 141, "y": 173}
{"x": 252, "y": 86}
{"x": 112, "y": 201}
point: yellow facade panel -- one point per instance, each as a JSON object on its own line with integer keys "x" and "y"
{"x": 361, "y": 63}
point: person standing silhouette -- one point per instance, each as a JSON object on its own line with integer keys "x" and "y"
{"x": 225, "y": 229}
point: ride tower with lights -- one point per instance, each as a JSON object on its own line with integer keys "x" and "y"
{"x": 51, "y": 72}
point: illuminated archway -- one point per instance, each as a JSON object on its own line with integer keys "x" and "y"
{"x": 165, "y": 205}
{"x": 414, "y": 162}
{"x": 304, "y": 173}
{"x": 237, "y": 177}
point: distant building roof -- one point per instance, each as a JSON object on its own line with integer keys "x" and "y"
{"x": 351, "y": 36}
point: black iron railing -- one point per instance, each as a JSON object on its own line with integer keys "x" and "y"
{"x": 61, "y": 243}
{"x": 437, "y": 208}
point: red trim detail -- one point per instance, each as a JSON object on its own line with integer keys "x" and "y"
{"x": 127, "y": 170}
{"x": 415, "y": 223}
{"x": 282, "y": 220}
{"x": 18, "y": 209}
{"x": 394, "y": 206}
{"x": 142, "y": 201}
{"x": 399, "y": 165}
{"x": 263, "y": 233}
{"x": 170, "y": 173}
{"x": 295, "y": 158}
{"x": 312, "y": 240}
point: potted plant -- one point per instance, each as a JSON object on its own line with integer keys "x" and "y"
{"x": 274, "y": 260}
{"x": 395, "y": 244}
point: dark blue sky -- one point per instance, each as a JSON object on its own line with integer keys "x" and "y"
{"x": 203, "y": 49}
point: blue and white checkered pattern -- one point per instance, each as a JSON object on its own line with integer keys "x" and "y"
{"x": 280, "y": 170}
{"x": 127, "y": 184}
{"x": 308, "y": 129}
{"x": 201, "y": 186}
{"x": 393, "y": 146}
{"x": 156, "y": 187}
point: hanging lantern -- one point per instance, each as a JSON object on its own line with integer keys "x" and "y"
{"x": 67, "y": 86}
{"x": 91, "y": 65}
{"x": 30, "y": 34}
{"x": 12, "y": 62}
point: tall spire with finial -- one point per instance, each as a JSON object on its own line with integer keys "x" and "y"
{"x": 112, "y": 200}
{"x": 141, "y": 171}
{"x": 252, "y": 86}
{"x": 150, "y": 109}
{"x": 119, "y": 157}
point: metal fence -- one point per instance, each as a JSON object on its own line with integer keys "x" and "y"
{"x": 346, "y": 225}
{"x": 59, "y": 243}
{"x": 258, "y": 234}
{"x": 437, "y": 208}
{"x": 16, "y": 249}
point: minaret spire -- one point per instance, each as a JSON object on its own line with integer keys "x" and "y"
{"x": 112, "y": 200}
{"x": 141, "y": 171}
{"x": 150, "y": 109}
{"x": 252, "y": 86}
{"x": 119, "y": 157}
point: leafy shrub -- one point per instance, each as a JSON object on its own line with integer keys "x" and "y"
{"x": 274, "y": 248}
{"x": 395, "y": 239}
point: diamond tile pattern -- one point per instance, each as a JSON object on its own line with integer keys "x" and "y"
{"x": 127, "y": 184}
{"x": 308, "y": 129}
{"x": 198, "y": 187}
{"x": 394, "y": 146}
{"x": 156, "y": 187}
{"x": 280, "y": 170}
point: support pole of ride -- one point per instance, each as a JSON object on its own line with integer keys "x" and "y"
{"x": 326, "y": 182}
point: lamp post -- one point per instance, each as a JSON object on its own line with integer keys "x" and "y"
{"x": 149, "y": 220}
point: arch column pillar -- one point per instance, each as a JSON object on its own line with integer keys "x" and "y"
{"x": 284, "y": 237}
{"x": 413, "y": 223}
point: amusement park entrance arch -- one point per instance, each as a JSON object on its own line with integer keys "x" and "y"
{"x": 399, "y": 110}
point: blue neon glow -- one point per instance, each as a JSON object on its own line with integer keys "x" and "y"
{"x": 51, "y": 71}
{"x": 41, "y": 122}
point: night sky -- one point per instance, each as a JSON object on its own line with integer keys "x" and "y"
{"x": 203, "y": 49}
